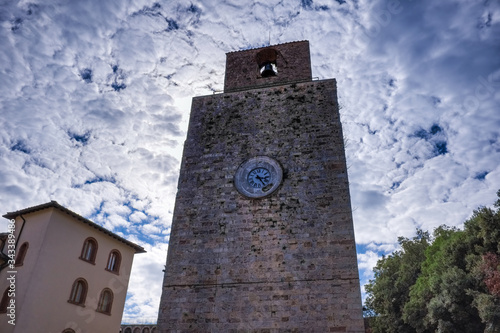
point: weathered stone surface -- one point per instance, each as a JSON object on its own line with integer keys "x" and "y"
{"x": 283, "y": 263}
{"x": 242, "y": 69}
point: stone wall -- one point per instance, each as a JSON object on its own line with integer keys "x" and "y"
{"x": 283, "y": 263}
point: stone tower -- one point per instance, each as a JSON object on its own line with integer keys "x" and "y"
{"x": 262, "y": 237}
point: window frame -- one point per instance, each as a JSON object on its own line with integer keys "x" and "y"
{"x": 114, "y": 266}
{"x": 21, "y": 254}
{"x": 101, "y": 305}
{"x": 93, "y": 254}
{"x": 74, "y": 292}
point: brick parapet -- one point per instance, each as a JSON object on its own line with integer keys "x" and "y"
{"x": 293, "y": 64}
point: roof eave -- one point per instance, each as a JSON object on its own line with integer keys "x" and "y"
{"x": 55, "y": 204}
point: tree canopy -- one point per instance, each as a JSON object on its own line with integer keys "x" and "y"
{"x": 447, "y": 282}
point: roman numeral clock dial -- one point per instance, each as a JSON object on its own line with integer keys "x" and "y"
{"x": 258, "y": 177}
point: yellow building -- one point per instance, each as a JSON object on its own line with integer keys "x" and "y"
{"x": 62, "y": 273}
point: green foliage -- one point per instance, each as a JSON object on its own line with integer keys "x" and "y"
{"x": 394, "y": 275}
{"x": 438, "y": 301}
{"x": 449, "y": 285}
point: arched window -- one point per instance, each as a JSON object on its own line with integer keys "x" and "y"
{"x": 21, "y": 254}
{"x": 89, "y": 250}
{"x": 105, "y": 301}
{"x": 266, "y": 59}
{"x": 78, "y": 292}
{"x": 128, "y": 330}
{"x": 68, "y": 330}
{"x": 137, "y": 330}
{"x": 145, "y": 330}
{"x": 5, "y": 301}
{"x": 114, "y": 261}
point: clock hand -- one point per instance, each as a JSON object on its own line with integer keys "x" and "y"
{"x": 259, "y": 178}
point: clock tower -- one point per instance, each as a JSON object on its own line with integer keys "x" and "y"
{"x": 262, "y": 235}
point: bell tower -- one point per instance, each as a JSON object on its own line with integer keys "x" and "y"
{"x": 262, "y": 235}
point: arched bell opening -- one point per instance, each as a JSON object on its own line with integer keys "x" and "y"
{"x": 266, "y": 59}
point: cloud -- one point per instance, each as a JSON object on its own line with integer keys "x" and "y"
{"x": 143, "y": 299}
{"x": 95, "y": 98}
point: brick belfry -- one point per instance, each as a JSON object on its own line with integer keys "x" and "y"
{"x": 262, "y": 235}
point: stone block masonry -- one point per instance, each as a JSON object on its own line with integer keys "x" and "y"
{"x": 283, "y": 263}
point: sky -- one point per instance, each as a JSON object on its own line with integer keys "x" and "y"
{"x": 95, "y": 98}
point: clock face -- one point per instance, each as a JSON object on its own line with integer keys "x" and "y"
{"x": 258, "y": 177}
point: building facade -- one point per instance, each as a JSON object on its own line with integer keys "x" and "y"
{"x": 68, "y": 275}
{"x": 262, "y": 237}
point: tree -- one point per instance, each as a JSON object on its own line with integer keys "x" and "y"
{"x": 389, "y": 291}
{"x": 485, "y": 265}
{"x": 451, "y": 285}
{"x": 438, "y": 301}
{"x": 488, "y": 303}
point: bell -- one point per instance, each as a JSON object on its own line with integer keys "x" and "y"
{"x": 268, "y": 70}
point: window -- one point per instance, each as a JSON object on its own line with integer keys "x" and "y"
{"x": 105, "y": 301}
{"x": 21, "y": 254}
{"x": 128, "y": 330}
{"x": 78, "y": 292}
{"x": 114, "y": 261}
{"x": 5, "y": 301}
{"x": 89, "y": 250}
{"x": 68, "y": 330}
